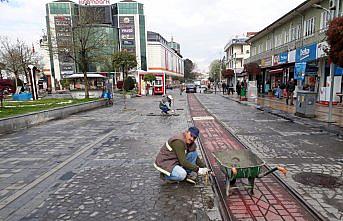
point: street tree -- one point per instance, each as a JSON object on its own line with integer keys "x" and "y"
{"x": 124, "y": 61}
{"x": 149, "y": 78}
{"x": 189, "y": 67}
{"x": 87, "y": 44}
{"x": 215, "y": 67}
{"x": 16, "y": 57}
{"x": 335, "y": 41}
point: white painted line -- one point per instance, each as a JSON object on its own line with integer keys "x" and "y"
{"x": 203, "y": 118}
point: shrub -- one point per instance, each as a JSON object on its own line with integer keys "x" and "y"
{"x": 129, "y": 84}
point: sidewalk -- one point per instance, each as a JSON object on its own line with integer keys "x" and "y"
{"x": 279, "y": 107}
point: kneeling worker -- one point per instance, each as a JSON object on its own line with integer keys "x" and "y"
{"x": 165, "y": 104}
{"x": 178, "y": 159}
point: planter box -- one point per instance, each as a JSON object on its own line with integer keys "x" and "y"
{"x": 11, "y": 124}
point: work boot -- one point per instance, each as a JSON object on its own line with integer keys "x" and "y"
{"x": 192, "y": 176}
{"x": 163, "y": 177}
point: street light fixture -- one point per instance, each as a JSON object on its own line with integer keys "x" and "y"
{"x": 332, "y": 65}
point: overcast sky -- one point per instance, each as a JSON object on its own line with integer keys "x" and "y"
{"x": 202, "y": 27}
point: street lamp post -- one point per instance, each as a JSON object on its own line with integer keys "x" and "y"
{"x": 332, "y": 67}
{"x": 234, "y": 71}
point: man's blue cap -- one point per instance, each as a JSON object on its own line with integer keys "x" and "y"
{"x": 194, "y": 131}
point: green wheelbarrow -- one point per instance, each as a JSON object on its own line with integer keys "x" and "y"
{"x": 241, "y": 164}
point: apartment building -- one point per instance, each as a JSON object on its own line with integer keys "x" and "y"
{"x": 296, "y": 41}
{"x": 236, "y": 51}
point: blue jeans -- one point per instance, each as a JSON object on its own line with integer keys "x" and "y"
{"x": 179, "y": 173}
{"x": 164, "y": 109}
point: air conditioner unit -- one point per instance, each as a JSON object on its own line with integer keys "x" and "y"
{"x": 332, "y": 4}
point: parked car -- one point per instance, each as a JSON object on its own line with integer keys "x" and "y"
{"x": 191, "y": 88}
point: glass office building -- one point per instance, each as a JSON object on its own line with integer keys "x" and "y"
{"x": 122, "y": 23}
{"x": 129, "y": 17}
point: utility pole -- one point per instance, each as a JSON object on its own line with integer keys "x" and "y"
{"x": 332, "y": 65}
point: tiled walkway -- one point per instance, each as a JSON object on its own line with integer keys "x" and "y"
{"x": 321, "y": 111}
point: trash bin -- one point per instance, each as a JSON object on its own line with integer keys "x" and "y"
{"x": 306, "y": 101}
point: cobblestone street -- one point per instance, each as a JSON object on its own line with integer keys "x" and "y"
{"x": 109, "y": 174}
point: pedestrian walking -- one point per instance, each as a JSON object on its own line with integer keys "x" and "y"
{"x": 178, "y": 158}
{"x": 238, "y": 88}
{"x": 147, "y": 88}
{"x": 290, "y": 87}
{"x": 230, "y": 88}
{"x": 224, "y": 87}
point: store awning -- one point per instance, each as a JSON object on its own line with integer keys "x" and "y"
{"x": 276, "y": 71}
{"x": 88, "y": 76}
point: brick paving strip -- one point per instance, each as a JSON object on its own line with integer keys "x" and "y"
{"x": 271, "y": 201}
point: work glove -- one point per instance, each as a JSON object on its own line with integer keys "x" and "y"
{"x": 203, "y": 171}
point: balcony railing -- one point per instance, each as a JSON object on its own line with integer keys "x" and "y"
{"x": 317, "y": 37}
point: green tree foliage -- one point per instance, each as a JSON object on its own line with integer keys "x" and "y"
{"x": 335, "y": 40}
{"x": 65, "y": 83}
{"x": 124, "y": 61}
{"x": 215, "y": 70}
{"x": 149, "y": 78}
{"x": 129, "y": 84}
{"x": 189, "y": 67}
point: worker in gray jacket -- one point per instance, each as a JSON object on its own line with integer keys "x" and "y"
{"x": 178, "y": 159}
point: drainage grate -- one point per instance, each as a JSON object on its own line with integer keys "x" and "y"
{"x": 317, "y": 180}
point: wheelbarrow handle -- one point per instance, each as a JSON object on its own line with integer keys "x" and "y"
{"x": 281, "y": 169}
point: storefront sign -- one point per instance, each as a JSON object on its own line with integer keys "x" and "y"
{"x": 321, "y": 47}
{"x": 291, "y": 56}
{"x": 339, "y": 71}
{"x": 307, "y": 53}
{"x": 128, "y": 42}
{"x": 127, "y": 33}
{"x": 266, "y": 62}
{"x": 94, "y": 2}
{"x": 280, "y": 58}
{"x": 299, "y": 71}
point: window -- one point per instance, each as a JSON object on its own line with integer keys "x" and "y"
{"x": 278, "y": 40}
{"x": 259, "y": 49}
{"x": 59, "y": 8}
{"x": 324, "y": 21}
{"x": 294, "y": 32}
{"x": 269, "y": 44}
{"x": 309, "y": 27}
{"x": 286, "y": 37}
{"x": 128, "y": 8}
{"x": 247, "y": 52}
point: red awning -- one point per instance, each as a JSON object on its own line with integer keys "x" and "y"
{"x": 276, "y": 71}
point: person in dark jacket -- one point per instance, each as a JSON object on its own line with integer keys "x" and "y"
{"x": 238, "y": 88}
{"x": 290, "y": 88}
{"x": 178, "y": 159}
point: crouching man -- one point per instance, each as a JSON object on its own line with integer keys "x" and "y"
{"x": 178, "y": 159}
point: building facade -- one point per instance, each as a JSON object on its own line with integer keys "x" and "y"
{"x": 122, "y": 25}
{"x": 293, "y": 47}
{"x": 163, "y": 58}
{"x": 130, "y": 19}
{"x": 236, "y": 51}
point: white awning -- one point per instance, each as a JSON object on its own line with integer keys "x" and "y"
{"x": 88, "y": 76}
